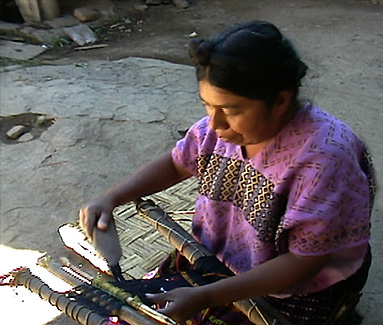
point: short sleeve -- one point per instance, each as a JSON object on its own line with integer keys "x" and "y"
{"x": 329, "y": 204}
{"x": 197, "y": 140}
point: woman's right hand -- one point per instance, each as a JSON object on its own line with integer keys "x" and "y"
{"x": 96, "y": 214}
{"x": 151, "y": 178}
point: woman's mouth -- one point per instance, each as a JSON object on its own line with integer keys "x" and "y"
{"x": 231, "y": 138}
{"x": 227, "y": 139}
{"x": 223, "y": 138}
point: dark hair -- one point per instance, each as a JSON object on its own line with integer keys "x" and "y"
{"x": 252, "y": 60}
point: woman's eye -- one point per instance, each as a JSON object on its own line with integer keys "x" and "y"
{"x": 230, "y": 111}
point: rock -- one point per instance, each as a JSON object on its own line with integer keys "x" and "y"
{"x": 6, "y": 27}
{"x": 19, "y": 51}
{"x": 25, "y": 33}
{"x": 153, "y": 2}
{"x": 80, "y": 34}
{"x": 63, "y": 21}
{"x": 16, "y": 132}
{"x": 166, "y": 2}
{"x": 26, "y": 137}
{"x": 85, "y": 14}
{"x": 140, "y": 7}
{"x": 39, "y": 36}
{"x": 42, "y": 120}
{"x": 182, "y": 4}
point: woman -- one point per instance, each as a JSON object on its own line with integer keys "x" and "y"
{"x": 285, "y": 188}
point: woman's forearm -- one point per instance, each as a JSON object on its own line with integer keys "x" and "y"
{"x": 151, "y": 178}
{"x": 271, "y": 277}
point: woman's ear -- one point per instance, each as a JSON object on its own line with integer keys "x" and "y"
{"x": 284, "y": 101}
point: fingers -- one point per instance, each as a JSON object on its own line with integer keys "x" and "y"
{"x": 96, "y": 214}
{"x": 103, "y": 221}
{"x": 162, "y": 299}
{"x": 85, "y": 221}
{"x": 83, "y": 218}
{"x": 171, "y": 308}
{"x": 159, "y": 298}
{"x": 88, "y": 217}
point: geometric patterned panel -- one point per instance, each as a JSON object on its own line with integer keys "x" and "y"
{"x": 231, "y": 180}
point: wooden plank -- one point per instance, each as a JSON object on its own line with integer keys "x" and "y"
{"x": 49, "y": 9}
{"x": 30, "y": 10}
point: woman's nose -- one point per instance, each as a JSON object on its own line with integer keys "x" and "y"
{"x": 217, "y": 120}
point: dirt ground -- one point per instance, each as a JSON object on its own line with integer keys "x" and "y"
{"x": 160, "y": 32}
{"x": 163, "y": 32}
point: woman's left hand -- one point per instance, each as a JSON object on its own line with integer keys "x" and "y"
{"x": 181, "y": 303}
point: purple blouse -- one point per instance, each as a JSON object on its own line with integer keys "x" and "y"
{"x": 309, "y": 191}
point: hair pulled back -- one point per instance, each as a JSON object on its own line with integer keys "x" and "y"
{"x": 252, "y": 60}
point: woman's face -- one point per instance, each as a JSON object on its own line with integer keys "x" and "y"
{"x": 240, "y": 120}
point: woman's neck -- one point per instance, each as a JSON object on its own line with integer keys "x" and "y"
{"x": 250, "y": 151}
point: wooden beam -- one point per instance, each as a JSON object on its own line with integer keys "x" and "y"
{"x": 30, "y": 10}
{"x": 49, "y": 9}
{"x": 38, "y": 10}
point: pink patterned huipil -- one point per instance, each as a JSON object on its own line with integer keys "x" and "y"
{"x": 310, "y": 191}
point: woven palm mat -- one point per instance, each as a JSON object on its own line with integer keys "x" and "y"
{"x": 143, "y": 247}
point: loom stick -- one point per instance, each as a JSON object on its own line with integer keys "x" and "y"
{"x": 131, "y": 300}
{"x": 126, "y": 313}
{"x": 257, "y": 309}
{"x": 174, "y": 233}
{"x": 56, "y": 269}
{"x": 73, "y": 309}
{"x": 78, "y": 312}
